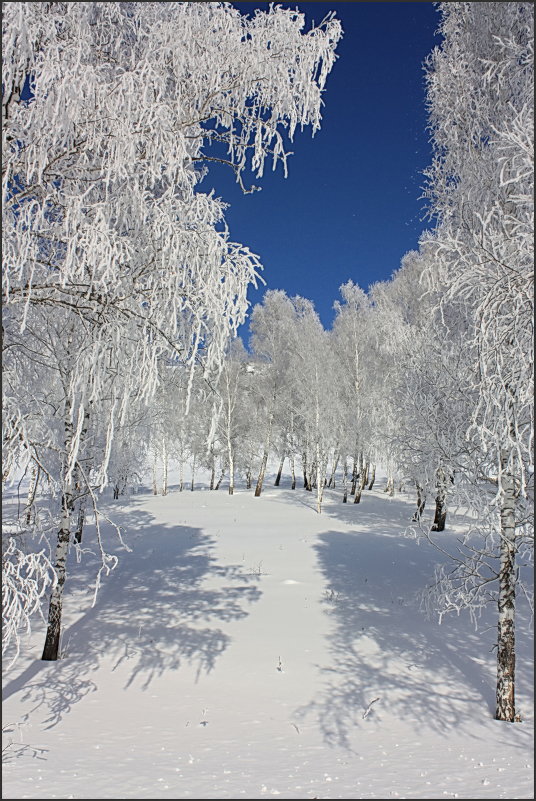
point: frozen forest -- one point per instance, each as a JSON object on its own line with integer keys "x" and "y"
{"x": 123, "y": 292}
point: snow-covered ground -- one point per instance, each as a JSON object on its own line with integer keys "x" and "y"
{"x": 249, "y": 647}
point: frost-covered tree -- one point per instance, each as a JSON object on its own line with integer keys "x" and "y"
{"x": 272, "y": 341}
{"x": 358, "y": 370}
{"x": 481, "y": 96}
{"x": 108, "y": 113}
{"x": 233, "y": 416}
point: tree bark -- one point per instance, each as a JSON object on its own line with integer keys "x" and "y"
{"x": 292, "y": 472}
{"x": 164, "y": 467}
{"x": 52, "y": 640}
{"x": 506, "y": 655}
{"x": 345, "y": 481}
{"x": 155, "y": 488}
{"x": 280, "y": 470}
{"x": 331, "y": 482}
{"x": 262, "y": 471}
{"x": 81, "y": 519}
{"x": 361, "y": 484}
{"x": 231, "y": 470}
{"x": 440, "y": 516}
{"x": 372, "y": 477}
{"x": 421, "y": 502}
{"x": 390, "y": 486}
{"x": 218, "y": 482}
{"x": 354, "y": 475}
{"x": 212, "y": 472}
{"x": 193, "y": 473}
{"x": 32, "y": 491}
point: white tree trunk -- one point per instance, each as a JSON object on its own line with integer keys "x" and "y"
{"x": 164, "y": 467}
{"x": 32, "y": 490}
{"x": 292, "y": 471}
{"x": 155, "y": 488}
{"x": 506, "y": 656}
{"x": 52, "y": 639}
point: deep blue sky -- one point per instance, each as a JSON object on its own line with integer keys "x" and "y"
{"x": 350, "y": 206}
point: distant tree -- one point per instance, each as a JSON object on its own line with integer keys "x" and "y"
{"x": 272, "y": 340}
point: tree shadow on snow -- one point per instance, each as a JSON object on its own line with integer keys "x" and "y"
{"x": 387, "y": 660}
{"x": 157, "y": 611}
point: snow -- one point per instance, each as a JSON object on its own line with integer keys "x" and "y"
{"x": 249, "y": 647}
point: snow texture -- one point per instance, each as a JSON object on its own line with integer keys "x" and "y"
{"x": 249, "y": 647}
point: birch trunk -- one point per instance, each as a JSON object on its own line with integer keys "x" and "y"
{"x": 304, "y": 469}
{"x": 32, "y": 490}
{"x": 262, "y": 471}
{"x": 321, "y": 466}
{"x": 345, "y": 481}
{"x": 280, "y": 470}
{"x": 164, "y": 467}
{"x": 331, "y": 482}
{"x": 372, "y": 476}
{"x": 440, "y": 516}
{"x": 421, "y": 502}
{"x": 52, "y": 640}
{"x": 81, "y": 519}
{"x": 155, "y": 488}
{"x": 506, "y": 656}
{"x": 218, "y": 482}
{"x": 361, "y": 485}
{"x": 212, "y": 472}
{"x": 354, "y": 475}
{"x": 193, "y": 473}
{"x": 230, "y": 455}
{"x": 258, "y": 488}
{"x": 292, "y": 472}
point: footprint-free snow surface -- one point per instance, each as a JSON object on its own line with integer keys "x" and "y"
{"x": 249, "y": 647}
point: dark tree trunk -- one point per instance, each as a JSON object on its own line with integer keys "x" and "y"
{"x": 372, "y": 477}
{"x": 80, "y": 521}
{"x": 421, "y": 502}
{"x": 280, "y": 470}
{"x": 354, "y": 475}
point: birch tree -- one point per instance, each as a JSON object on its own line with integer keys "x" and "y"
{"x": 480, "y": 184}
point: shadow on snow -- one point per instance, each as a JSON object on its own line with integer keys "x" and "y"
{"x": 156, "y": 611}
{"x": 387, "y": 660}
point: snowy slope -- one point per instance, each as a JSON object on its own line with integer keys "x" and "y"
{"x": 249, "y": 647}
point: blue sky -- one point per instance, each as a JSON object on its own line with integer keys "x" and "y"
{"x": 350, "y": 207}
